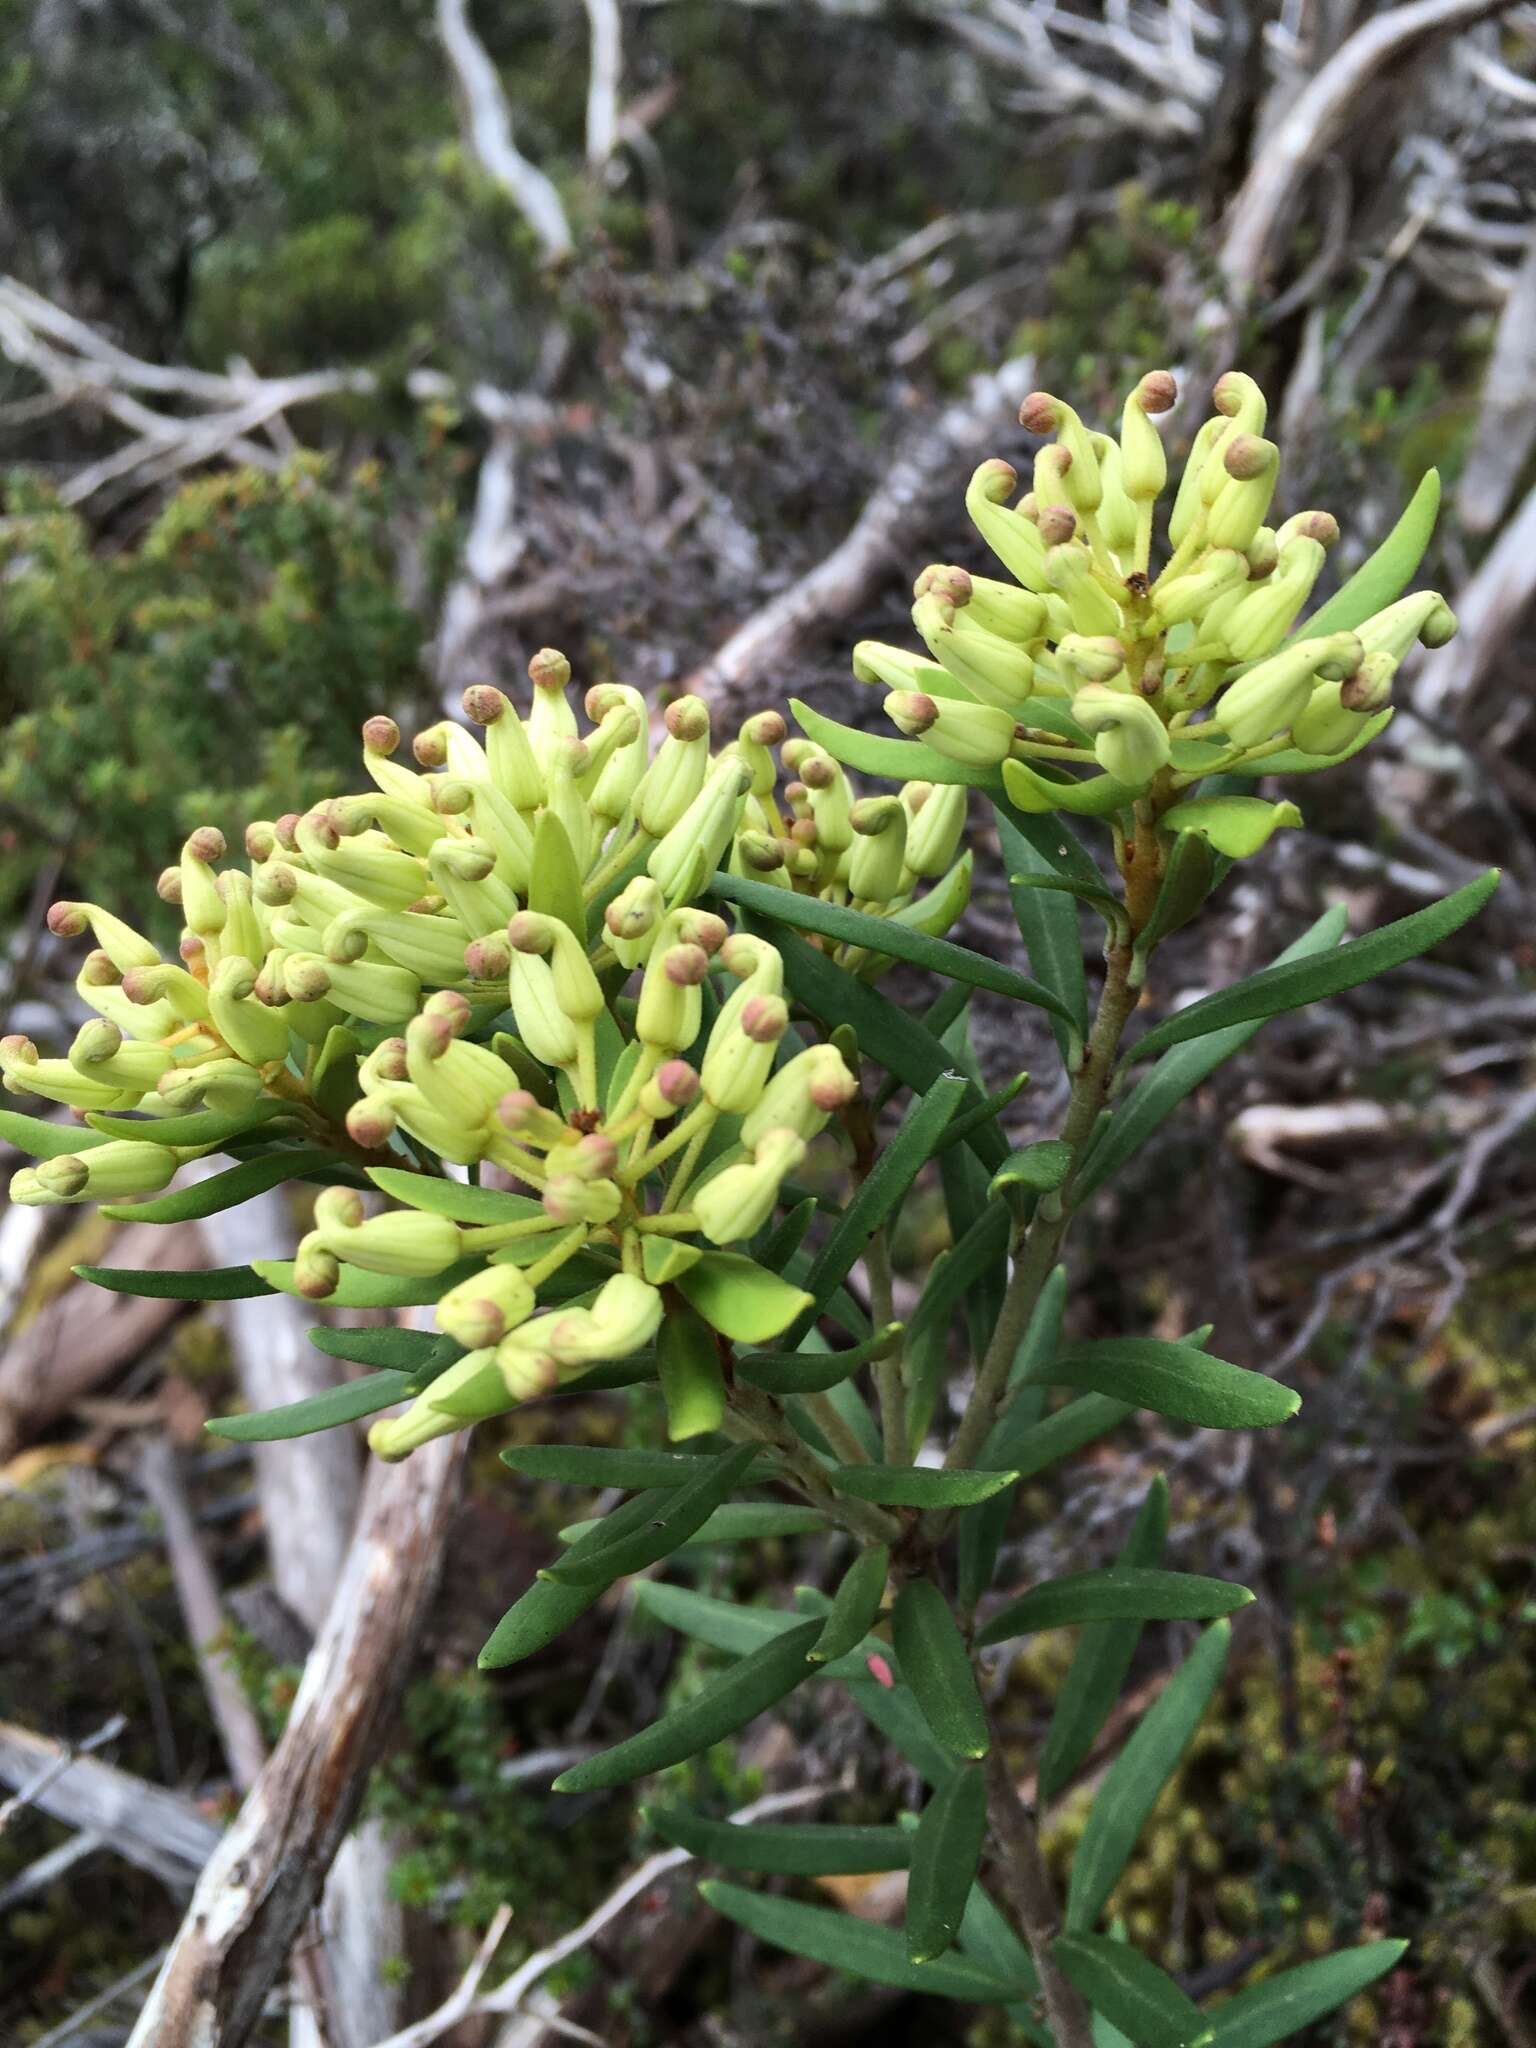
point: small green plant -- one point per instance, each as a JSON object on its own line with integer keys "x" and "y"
{"x": 580, "y": 1010}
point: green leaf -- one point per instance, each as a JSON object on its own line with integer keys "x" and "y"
{"x": 855, "y": 1605}
{"x": 918, "y": 1486}
{"x": 723, "y": 1624}
{"x": 961, "y": 1127}
{"x": 738, "y": 1298}
{"x": 859, "y": 1947}
{"x": 1047, "y": 921}
{"x": 554, "y": 886}
{"x": 1188, "y": 879}
{"x": 1095, "y": 796}
{"x": 885, "y": 1033}
{"x": 782, "y": 1850}
{"x": 882, "y": 935}
{"x": 333, "y": 1082}
{"x": 321, "y": 1411}
{"x": 1292, "y": 761}
{"x": 1311, "y": 980}
{"x": 1117, "y": 1592}
{"x": 1038, "y": 1167}
{"x": 213, "y": 1283}
{"x": 945, "y": 1852}
{"x": 545, "y": 1610}
{"x": 455, "y": 1199}
{"x": 882, "y": 1192}
{"x": 692, "y": 1382}
{"x": 393, "y": 1350}
{"x": 201, "y": 1127}
{"x": 959, "y": 1270}
{"x": 982, "y": 1528}
{"x": 813, "y": 1372}
{"x": 680, "y": 1513}
{"x": 1174, "y": 1380}
{"x": 40, "y": 1139}
{"x": 1102, "y": 1660}
{"x": 1281, "y": 2006}
{"x": 742, "y": 1521}
{"x": 1069, "y": 1429}
{"x": 591, "y": 1465}
{"x": 725, "y": 1704}
{"x": 893, "y": 760}
{"x": 937, "y": 1666}
{"x": 1388, "y": 572}
{"x": 662, "y": 1259}
{"x": 1133, "y": 1782}
{"x": 224, "y": 1190}
{"x": 357, "y": 1289}
{"x": 1179, "y": 1072}
{"x": 1235, "y": 825}
{"x": 1131, "y": 1992}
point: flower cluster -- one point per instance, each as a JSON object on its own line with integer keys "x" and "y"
{"x": 1087, "y": 660}
{"x": 500, "y": 957}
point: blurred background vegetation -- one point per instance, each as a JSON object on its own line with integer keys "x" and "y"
{"x": 304, "y": 419}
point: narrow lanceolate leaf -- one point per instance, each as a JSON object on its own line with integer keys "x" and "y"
{"x": 1131, "y": 1992}
{"x": 1069, "y": 1429}
{"x": 1180, "y": 1071}
{"x": 223, "y": 1190}
{"x": 201, "y": 1127}
{"x": 813, "y": 1372}
{"x": 887, "y": 1034}
{"x": 1388, "y": 572}
{"x": 1048, "y": 924}
{"x": 884, "y": 935}
{"x": 1102, "y": 1659}
{"x": 40, "y": 1139}
{"x": 727, "y": 1703}
{"x": 724, "y": 1625}
{"x": 1036, "y": 1168}
{"x": 679, "y": 1514}
{"x": 1174, "y": 1380}
{"x": 1120, "y": 1592}
{"x": 783, "y": 1850}
{"x": 741, "y": 1521}
{"x": 1281, "y": 2006}
{"x": 692, "y": 1378}
{"x": 918, "y": 1486}
{"x": 589, "y": 1465}
{"x": 212, "y": 1283}
{"x": 357, "y": 1289}
{"x": 945, "y": 1852}
{"x": 861, "y": 1948}
{"x": 855, "y": 1605}
{"x": 936, "y": 1665}
{"x": 545, "y": 1610}
{"x": 321, "y": 1411}
{"x": 1138, "y": 1775}
{"x": 881, "y": 1193}
{"x": 1309, "y": 981}
{"x": 452, "y": 1198}
{"x": 395, "y": 1350}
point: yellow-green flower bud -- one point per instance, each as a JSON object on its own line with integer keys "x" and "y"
{"x": 676, "y": 775}
{"x": 249, "y": 1028}
{"x": 738, "y": 1201}
{"x": 370, "y": 989}
{"x": 633, "y": 919}
{"x": 493, "y": 819}
{"x": 829, "y": 795}
{"x": 994, "y": 670}
{"x": 760, "y": 733}
{"x": 464, "y": 873}
{"x": 526, "y": 1368}
{"x": 1070, "y": 569}
{"x": 550, "y": 718}
{"x": 1238, "y": 398}
{"x": 670, "y": 1012}
{"x": 474, "y": 1392}
{"x": 185, "y": 994}
{"x": 1269, "y": 698}
{"x": 1143, "y": 460}
{"x": 942, "y": 907}
{"x": 408, "y": 1243}
{"x": 1010, "y": 536}
{"x": 976, "y": 735}
{"x": 935, "y": 822}
{"x": 227, "y": 1087}
{"x": 481, "y": 1310}
{"x": 879, "y": 853}
{"x": 1090, "y": 658}
{"x": 896, "y": 667}
{"x": 1188, "y": 503}
{"x": 672, "y": 1087}
{"x": 123, "y": 946}
{"x": 102, "y": 1053}
{"x": 1425, "y": 616}
{"x": 690, "y": 853}
{"x": 570, "y": 1199}
{"x": 1130, "y": 741}
{"x": 802, "y": 1096}
{"x": 244, "y": 932}
{"x": 432, "y": 947}
{"x": 1257, "y": 625}
{"x": 1042, "y": 414}
{"x": 366, "y": 863}
{"x": 381, "y": 737}
{"x": 1116, "y": 514}
{"x": 760, "y": 858}
{"x": 461, "y": 1081}
{"x": 1189, "y": 596}
{"x": 448, "y": 745}
{"x": 741, "y": 1050}
{"x": 623, "y": 1319}
{"x": 1240, "y": 506}
{"x": 202, "y": 905}
{"x": 509, "y": 753}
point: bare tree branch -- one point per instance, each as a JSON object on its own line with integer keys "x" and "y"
{"x": 1506, "y": 419}
{"x": 488, "y": 133}
{"x": 607, "y": 67}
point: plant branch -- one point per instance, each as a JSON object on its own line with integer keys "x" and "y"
{"x": 1032, "y": 1896}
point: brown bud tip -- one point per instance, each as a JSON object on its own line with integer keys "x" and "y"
{"x": 139, "y": 985}
{"x": 831, "y": 1091}
{"x": 430, "y": 747}
{"x": 488, "y": 959}
{"x": 1157, "y": 391}
{"x": 765, "y": 729}
{"x": 452, "y": 1007}
{"x": 67, "y": 920}
{"x": 817, "y": 772}
{"x": 685, "y": 966}
{"x": 1040, "y": 413}
{"x": 1227, "y": 392}
{"x": 549, "y": 669}
{"x": 389, "y": 1060}
{"x": 996, "y": 480}
{"x": 1028, "y": 508}
{"x": 688, "y": 719}
{"x": 676, "y": 1082}
{"x": 381, "y": 735}
{"x": 515, "y": 1109}
{"x": 18, "y": 1047}
{"x": 1319, "y": 526}
{"x": 951, "y": 584}
{"x": 705, "y": 929}
{"x": 306, "y": 980}
{"x": 529, "y": 933}
{"x": 1247, "y": 457}
{"x": 484, "y": 703}
{"x": 1058, "y": 523}
{"x": 765, "y": 1019}
{"x": 1055, "y": 460}
{"x": 98, "y": 970}
{"x": 597, "y": 1155}
{"x": 760, "y": 852}
{"x": 370, "y": 1123}
{"x": 192, "y": 949}
{"x": 286, "y": 831}
{"x": 316, "y": 1274}
{"x": 65, "y": 1175}
{"x": 260, "y": 840}
{"x": 206, "y": 844}
{"x": 431, "y": 1036}
{"x": 803, "y": 832}
{"x": 168, "y": 885}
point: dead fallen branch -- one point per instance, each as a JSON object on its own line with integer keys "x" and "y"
{"x": 156, "y": 1830}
